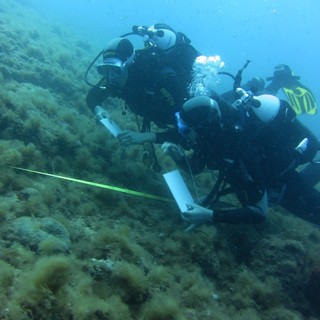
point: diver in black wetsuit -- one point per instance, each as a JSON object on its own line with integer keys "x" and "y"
{"x": 287, "y": 86}
{"x": 256, "y": 151}
{"x": 152, "y": 81}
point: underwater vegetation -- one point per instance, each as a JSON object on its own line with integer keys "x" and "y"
{"x": 69, "y": 251}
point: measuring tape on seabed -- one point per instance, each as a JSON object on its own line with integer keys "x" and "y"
{"x": 98, "y": 185}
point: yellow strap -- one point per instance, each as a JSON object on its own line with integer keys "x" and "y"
{"x": 99, "y": 185}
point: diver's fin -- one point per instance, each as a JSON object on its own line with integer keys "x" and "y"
{"x": 301, "y": 99}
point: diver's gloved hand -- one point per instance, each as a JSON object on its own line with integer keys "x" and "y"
{"x": 100, "y": 113}
{"x": 197, "y": 214}
{"x": 172, "y": 150}
{"x": 127, "y": 138}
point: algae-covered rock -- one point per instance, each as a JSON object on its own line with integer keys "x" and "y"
{"x": 279, "y": 257}
{"x": 40, "y": 234}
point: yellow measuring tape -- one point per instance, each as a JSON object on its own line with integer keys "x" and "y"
{"x": 98, "y": 185}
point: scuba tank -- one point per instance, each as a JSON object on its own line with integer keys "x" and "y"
{"x": 265, "y": 107}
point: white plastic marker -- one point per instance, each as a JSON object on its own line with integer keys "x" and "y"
{"x": 302, "y": 146}
{"x": 106, "y": 121}
{"x": 178, "y": 189}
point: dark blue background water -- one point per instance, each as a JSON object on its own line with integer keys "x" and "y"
{"x": 268, "y": 32}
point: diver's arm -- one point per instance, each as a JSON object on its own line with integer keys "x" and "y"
{"x": 250, "y": 214}
{"x": 170, "y": 134}
{"x": 128, "y": 138}
{"x": 247, "y": 215}
{"x": 95, "y": 97}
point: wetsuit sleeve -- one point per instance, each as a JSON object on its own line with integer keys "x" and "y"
{"x": 95, "y": 97}
{"x": 250, "y": 214}
{"x": 171, "y": 135}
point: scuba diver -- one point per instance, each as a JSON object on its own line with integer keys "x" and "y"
{"x": 152, "y": 81}
{"x": 256, "y": 144}
{"x": 284, "y": 84}
{"x": 287, "y": 86}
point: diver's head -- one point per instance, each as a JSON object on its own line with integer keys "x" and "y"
{"x": 255, "y": 84}
{"x": 283, "y": 74}
{"x": 162, "y": 36}
{"x": 117, "y": 55}
{"x": 200, "y": 117}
